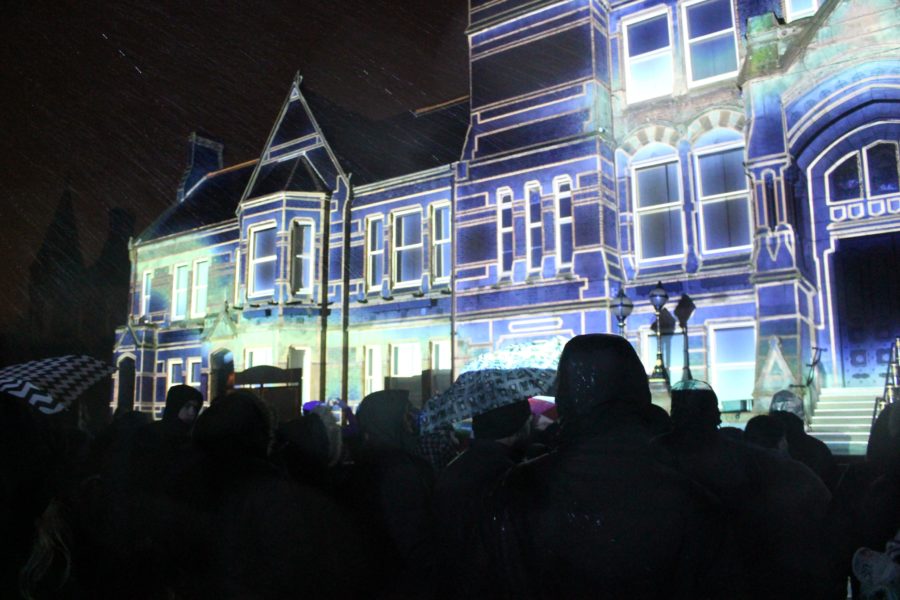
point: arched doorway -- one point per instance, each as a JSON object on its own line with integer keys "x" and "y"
{"x": 867, "y": 295}
{"x": 221, "y": 372}
{"x": 125, "y": 387}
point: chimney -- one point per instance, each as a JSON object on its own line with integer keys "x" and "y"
{"x": 204, "y": 156}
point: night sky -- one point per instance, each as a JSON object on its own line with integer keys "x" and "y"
{"x": 104, "y": 95}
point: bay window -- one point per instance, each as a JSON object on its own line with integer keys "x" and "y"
{"x": 302, "y": 257}
{"x": 261, "y": 260}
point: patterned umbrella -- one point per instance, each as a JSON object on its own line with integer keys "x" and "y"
{"x": 542, "y": 354}
{"x": 476, "y": 392}
{"x": 51, "y": 384}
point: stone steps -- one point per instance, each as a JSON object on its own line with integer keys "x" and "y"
{"x": 843, "y": 417}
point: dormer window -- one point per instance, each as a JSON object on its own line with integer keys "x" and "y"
{"x": 261, "y": 261}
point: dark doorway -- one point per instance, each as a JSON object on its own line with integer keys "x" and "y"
{"x": 867, "y": 294}
{"x": 125, "y": 393}
{"x": 221, "y": 373}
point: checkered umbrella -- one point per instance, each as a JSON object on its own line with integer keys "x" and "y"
{"x": 477, "y": 392}
{"x": 51, "y": 384}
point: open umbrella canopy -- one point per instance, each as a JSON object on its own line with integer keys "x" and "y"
{"x": 51, "y": 384}
{"x": 541, "y": 354}
{"x": 476, "y": 392}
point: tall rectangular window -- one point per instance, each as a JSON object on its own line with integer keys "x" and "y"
{"x": 194, "y": 369}
{"x": 254, "y": 357}
{"x": 373, "y": 381}
{"x": 146, "y": 292}
{"x": 658, "y": 209}
{"x": 534, "y": 233}
{"x": 406, "y": 360}
{"x": 261, "y": 261}
{"x": 174, "y": 372}
{"x": 724, "y": 195}
{"x": 710, "y": 40}
{"x": 407, "y": 248}
{"x": 374, "y": 253}
{"x": 441, "y": 260}
{"x": 565, "y": 241}
{"x": 797, "y": 9}
{"x": 301, "y": 358}
{"x": 440, "y": 355}
{"x": 180, "y": 292}
{"x": 648, "y": 58}
{"x": 199, "y": 288}
{"x": 302, "y": 257}
{"x": 732, "y": 358}
{"x": 505, "y": 241}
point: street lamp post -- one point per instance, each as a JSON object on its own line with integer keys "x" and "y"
{"x": 683, "y": 311}
{"x": 622, "y": 307}
{"x": 658, "y": 298}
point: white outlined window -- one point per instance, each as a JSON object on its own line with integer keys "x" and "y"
{"x": 723, "y": 193}
{"x": 373, "y": 380}
{"x": 261, "y": 355}
{"x": 407, "y": 248}
{"x": 441, "y": 257}
{"x": 732, "y": 361}
{"x": 648, "y": 51}
{"x": 797, "y": 9}
{"x": 844, "y": 179}
{"x": 374, "y": 253}
{"x": 882, "y": 167}
{"x": 199, "y": 288}
{"x": 174, "y": 372}
{"x": 505, "y": 229}
{"x": 710, "y": 40}
{"x": 180, "y": 278}
{"x": 301, "y": 358}
{"x": 406, "y": 360}
{"x": 146, "y": 292}
{"x": 261, "y": 260}
{"x": 440, "y": 355}
{"x": 534, "y": 227}
{"x": 658, "y": 222}
{"x": 302, "y": 254}
{"x": 673, "y": 351}
{"x": 193, "y": 372}
{"x": 565, "y": 235}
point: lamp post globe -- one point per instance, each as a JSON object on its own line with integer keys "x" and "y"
{"x": 622, "y": 307}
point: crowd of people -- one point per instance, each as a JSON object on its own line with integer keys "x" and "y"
{"x": 614, "y": 499}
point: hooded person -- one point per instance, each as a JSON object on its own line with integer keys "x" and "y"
{"x": 462, "y": 487}
{"x": 599, "y": 515}
{"x": 392, "y": 488}
{"x": 812, "y": 452}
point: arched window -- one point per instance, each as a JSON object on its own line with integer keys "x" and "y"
{"x": 882, "y": 174}
{"x": 659, "y": 229}
{"x": 723, "y": 194}
{"x": 844, "y": 180}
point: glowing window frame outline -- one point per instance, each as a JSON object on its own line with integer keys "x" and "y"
{"x": 395, "y": 249}
{"x": 637, "y": 19}
{"x": 501, "y": 194}
{"x": 369, "y": 220}
{"x": 187, "y": 291}
{"x": 721, "y": 33}
{"x": 252, "y": 232}
{"x": 530, "y": 226}
{"x": 561, "y": 221}
{"x": 194, "y": 288}
{"x": 718, "y": 198}
{"x": 637, "y": 212}
{"x": 444, "y": 241}
{"x": 311, "y": 259}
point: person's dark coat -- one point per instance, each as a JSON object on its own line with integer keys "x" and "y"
{"x": 811, "y": 451}
{"x": 600, "y": 516}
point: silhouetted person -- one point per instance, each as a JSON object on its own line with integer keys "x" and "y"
{"x": 767, "y": 432}
{"x": 394, "y": 486}
{"x": 460, "y": 491}
{"x": 599, "y": 516}
{"x": 776, "y": 505}
{"x": 812, "y": 452}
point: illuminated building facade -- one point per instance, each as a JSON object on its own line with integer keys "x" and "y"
{"x": 742, "y": 152}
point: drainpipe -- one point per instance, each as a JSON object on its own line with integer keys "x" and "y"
{"x": 345, "y": 296}
{"x": 323, "y": 294}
